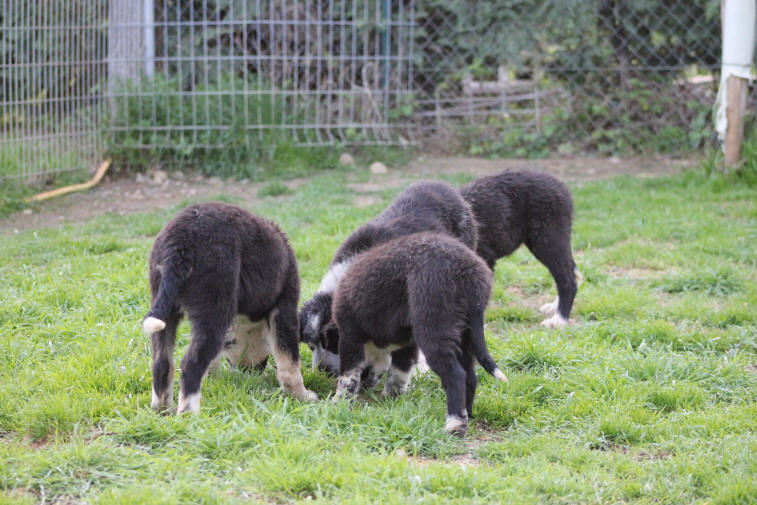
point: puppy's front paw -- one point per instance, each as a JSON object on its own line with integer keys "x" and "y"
{"x": 549, "y": 308}
{"x": 556, "y": 321}
{"x": 456, "y": 426}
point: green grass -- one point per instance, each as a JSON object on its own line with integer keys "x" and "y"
{"x": 648, "y": 398}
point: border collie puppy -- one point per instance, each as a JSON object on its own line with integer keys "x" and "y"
{"x": 215, "y": 261}
{"x": 425, "y": 291}
{"x": 423, "y": 206}
{"x": 535, "y": 208}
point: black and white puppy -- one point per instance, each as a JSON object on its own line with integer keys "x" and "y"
{"x": 423, "y": 206}
{"x": 215, "y": 261}
{"x": 534, "y": 208}
{"x": 425, "y": 291}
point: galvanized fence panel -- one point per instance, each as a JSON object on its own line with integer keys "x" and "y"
{"x": 52, "y": 68}
{"x": 260, "y": 72}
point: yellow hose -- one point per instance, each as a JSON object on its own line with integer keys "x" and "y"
{"x": 74, "y": 187}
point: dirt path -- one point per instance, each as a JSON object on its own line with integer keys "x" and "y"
{"x": 160, "y": 191}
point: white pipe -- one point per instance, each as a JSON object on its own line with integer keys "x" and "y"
{"x": 149, "y": 35}
{"x": 738, "y": 51}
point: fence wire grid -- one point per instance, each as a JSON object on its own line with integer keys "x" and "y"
{"x": 173, "y": 78}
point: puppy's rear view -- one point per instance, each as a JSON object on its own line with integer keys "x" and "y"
{"x": 534, "y": 208}
{"x": 426, "y": 291}
{"x": 214, "y": 261}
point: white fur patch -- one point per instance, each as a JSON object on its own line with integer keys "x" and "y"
{"x": 499, "y": 375}
{"x": 190, "y": 403}
{"x": 152, "y": 325}
{"x": 156, "y": 403}
{"x": 345, "y": 381}
{"x": 379, "y": 358}
{"x": 550, "y": 308}
{"x": 455, "y": 424}
{"x": 325, "y": 359}
{"x": 397, "y": 382}
{"x": 314, "y": 322}
{"x": 332, "y": 277}
{"x": 556, "y": 321}
{"x": 287, "y": 371}
{"x": 422, "y": 366}
{"x": 251, "y": 345}
{"x": 579, "y": 276}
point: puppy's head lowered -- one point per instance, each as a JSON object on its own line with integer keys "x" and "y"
{"x": 319, "y": 332}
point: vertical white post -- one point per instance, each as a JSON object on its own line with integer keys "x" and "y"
{"x": 149, "y": 37}
{"x": 123, "y": 40}
{"x": 738, "y": 51}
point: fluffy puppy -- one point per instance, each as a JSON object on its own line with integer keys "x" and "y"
{"x": 534, "y": 208}
{"x": 215, "y": 261}
{"x": 425, "y": 291}
{"x": 423, "y": 206}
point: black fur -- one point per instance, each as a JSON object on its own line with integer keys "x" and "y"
{"x": 528, "y": 207}
{"x": 426, "y": 290}
{"x": 424, "y": 206}
{"x": 213, "y": 261}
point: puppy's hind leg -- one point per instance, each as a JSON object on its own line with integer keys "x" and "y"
{"x": 377, "y": 362}
{"x": 453, "y": 377}
{"x": 351, "y": 366}
{"x": 209, "y": 328}
{"x": 552, "y": 248}
{"x": 282, "y": 337}
{"x": 163, "y": 342}
{"x": 398, "y": 378}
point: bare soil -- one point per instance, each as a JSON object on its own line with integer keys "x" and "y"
{"x": 141, "y": 193}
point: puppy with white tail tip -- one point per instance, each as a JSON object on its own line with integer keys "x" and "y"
{"x": 534, "y": 208}
{"x": 215, "y": 261}
{"x": 425, "y": 291}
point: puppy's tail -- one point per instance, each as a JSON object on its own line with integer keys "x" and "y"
{"x": 478, "y": 344}
{"x": 164, "y": 302}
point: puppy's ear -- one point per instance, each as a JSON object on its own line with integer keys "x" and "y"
{"x": 301, "y": 326}
{"x": 330, "y": 337}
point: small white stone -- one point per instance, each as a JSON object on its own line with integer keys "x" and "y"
{"x": 27, "y": 212}
{"x": 346, "y": 159}
{"x": 378, "y": 168}
{"x": 141, "y": 178}
{"x": 159, "y": 177}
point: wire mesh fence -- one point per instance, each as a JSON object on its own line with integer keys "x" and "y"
{"x": 163, "y": 79}
{"x": 256, "y": 72}
{"x": 52, "y": 68}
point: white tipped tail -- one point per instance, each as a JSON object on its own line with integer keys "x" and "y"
{"x": 152, "y": 325}
{"x": 499, "y": 375}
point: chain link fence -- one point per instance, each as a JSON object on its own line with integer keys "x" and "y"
{"x": 146, "y": 80}
{"x": 522, "y": 78}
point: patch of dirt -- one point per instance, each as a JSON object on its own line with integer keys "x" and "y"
{"x": 482, "y": 435}
{"x": 631, "y": 273}
{"x": 572, "y": 169}
{"x": 640, "y": 455}
{"x": 159, "y": 190}
{"x": 364, "y": 201}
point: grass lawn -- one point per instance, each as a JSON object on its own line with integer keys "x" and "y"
{"x": 650, "y": 397}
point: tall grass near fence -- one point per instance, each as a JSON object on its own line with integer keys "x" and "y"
{"x": 154, "y": 122}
